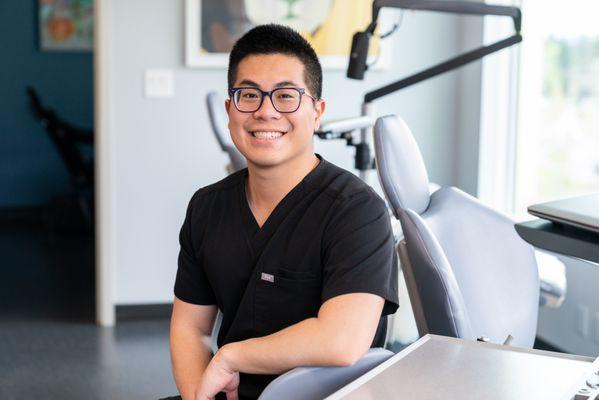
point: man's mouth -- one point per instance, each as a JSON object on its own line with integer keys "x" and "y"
{"x": 267, "y": 135}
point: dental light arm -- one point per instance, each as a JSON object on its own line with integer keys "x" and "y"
{"x": 359, "y": 54}
{"x": 343, "y": 129}
{"x": 339, "y": 128}
{"x": 361, "y": 40}
{"x": 359, "y": 51}
{"x": 456, "y": 7}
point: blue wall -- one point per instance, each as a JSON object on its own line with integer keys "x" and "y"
{"x": 31, "y": 172}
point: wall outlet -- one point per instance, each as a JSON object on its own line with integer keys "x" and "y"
{"x": 583, "y": 320}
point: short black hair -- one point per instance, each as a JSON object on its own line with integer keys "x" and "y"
{"x": 273, "y": 39}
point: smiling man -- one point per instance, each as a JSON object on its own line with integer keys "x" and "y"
{"x": 295, "y": 252}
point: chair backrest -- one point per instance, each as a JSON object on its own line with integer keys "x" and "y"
{"x": 319, "y": 382}
{"x": 471, "y": 274}
{"x": 218, "y": 121}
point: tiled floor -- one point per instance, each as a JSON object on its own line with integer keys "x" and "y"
{"x": 50, "y": 347}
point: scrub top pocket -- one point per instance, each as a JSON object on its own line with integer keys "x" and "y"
{"x": 281, "y": 301}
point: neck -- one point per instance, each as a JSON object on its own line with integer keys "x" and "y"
{"x": 267, "y": 186}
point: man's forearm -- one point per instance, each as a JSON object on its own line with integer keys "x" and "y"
{"x": 307, "y": 343}
{"x": 190, "y": 353}
{"x": 339, "y": 336}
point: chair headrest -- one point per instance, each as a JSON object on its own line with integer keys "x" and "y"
{"x": 218, "y": 119}
{"x": 400, "y": 166}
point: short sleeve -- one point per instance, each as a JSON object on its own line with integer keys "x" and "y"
{"x": 359, "y": 251}
{"x": 191, "y": 283}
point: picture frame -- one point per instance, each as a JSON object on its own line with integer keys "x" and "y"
{"x": 66, "y": 25}
{"x": 212, "y": 26}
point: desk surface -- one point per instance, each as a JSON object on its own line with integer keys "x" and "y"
{"x": 561, "y": 239}
{"x": 438, "y": 367}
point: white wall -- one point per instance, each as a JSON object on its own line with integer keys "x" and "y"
{"x": 163, "y": 150}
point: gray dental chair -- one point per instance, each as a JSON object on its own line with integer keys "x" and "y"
{"x": 468, "y": 273}
{"x": 305, "y": 383}
{"x": 218, "y": 121}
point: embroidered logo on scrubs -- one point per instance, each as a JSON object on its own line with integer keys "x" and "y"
{"x": 267, "y": 277}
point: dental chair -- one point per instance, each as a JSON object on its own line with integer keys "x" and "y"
{"x": 305, "y": 383}
{"x": 468, "y": 274}
{"x": 218, "y": 121}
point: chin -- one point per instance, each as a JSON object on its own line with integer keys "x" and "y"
{"x": 260, "y": 157}
{"x": 265, "y": 162}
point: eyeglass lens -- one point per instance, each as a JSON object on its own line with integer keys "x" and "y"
{"x": 283, "y": 99}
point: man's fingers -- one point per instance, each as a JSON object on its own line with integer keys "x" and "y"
{"x": 202, "y": 395}
{"x": 232, "y": 395}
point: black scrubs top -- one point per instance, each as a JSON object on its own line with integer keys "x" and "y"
{"x": 329, "y": 236}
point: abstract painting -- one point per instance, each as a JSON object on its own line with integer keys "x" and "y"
{"x": 212, "y": 27}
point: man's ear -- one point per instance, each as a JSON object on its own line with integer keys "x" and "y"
{"x": 227, "y": 105}
{"x": 319, "y": 107}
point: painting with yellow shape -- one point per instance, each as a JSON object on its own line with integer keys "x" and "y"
{"x": 346, "y": 18}
{"x": 328, "y": 25}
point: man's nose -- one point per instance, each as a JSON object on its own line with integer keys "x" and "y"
{"x": 267, "y": 109}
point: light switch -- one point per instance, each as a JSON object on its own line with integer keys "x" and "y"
{"x": 159, "y": 83}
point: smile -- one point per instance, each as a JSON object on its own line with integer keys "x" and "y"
{"x": 267, "y": 135}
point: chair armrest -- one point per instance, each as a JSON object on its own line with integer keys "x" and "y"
{"x": 319, "y": 382}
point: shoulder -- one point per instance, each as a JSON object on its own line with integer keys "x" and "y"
{"x": 209, "y": 199}
{"x": 346, "y": 188}
{"x": 224, "y": 187}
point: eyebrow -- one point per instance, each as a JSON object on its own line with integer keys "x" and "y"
{"x": 280, "y": 84}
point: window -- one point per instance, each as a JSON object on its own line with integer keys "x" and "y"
{"x": 558, "y": 111}
{"x": 539, "y": 134}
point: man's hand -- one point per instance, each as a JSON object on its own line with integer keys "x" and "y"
{"x": 219, "y": 376}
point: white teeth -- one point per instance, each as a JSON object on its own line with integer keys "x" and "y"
{"x": 267, "y": 135}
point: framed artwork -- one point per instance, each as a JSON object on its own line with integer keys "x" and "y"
{"x": 66, "y": 25}
{"x": 213, "y": 26}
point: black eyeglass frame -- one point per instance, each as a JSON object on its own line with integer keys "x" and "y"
{"x": 301, "y": 91}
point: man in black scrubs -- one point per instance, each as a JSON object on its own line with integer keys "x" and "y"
{"x": 297, "y": 253}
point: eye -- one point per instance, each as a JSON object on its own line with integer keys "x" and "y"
{"x": 286, "y": 95}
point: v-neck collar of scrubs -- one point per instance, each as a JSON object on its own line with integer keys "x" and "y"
{"x": 257, "y": 237}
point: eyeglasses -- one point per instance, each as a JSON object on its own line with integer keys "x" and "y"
{"x": 284, "y": 100}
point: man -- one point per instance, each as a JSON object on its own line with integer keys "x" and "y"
{"x": 296, "y": 253}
